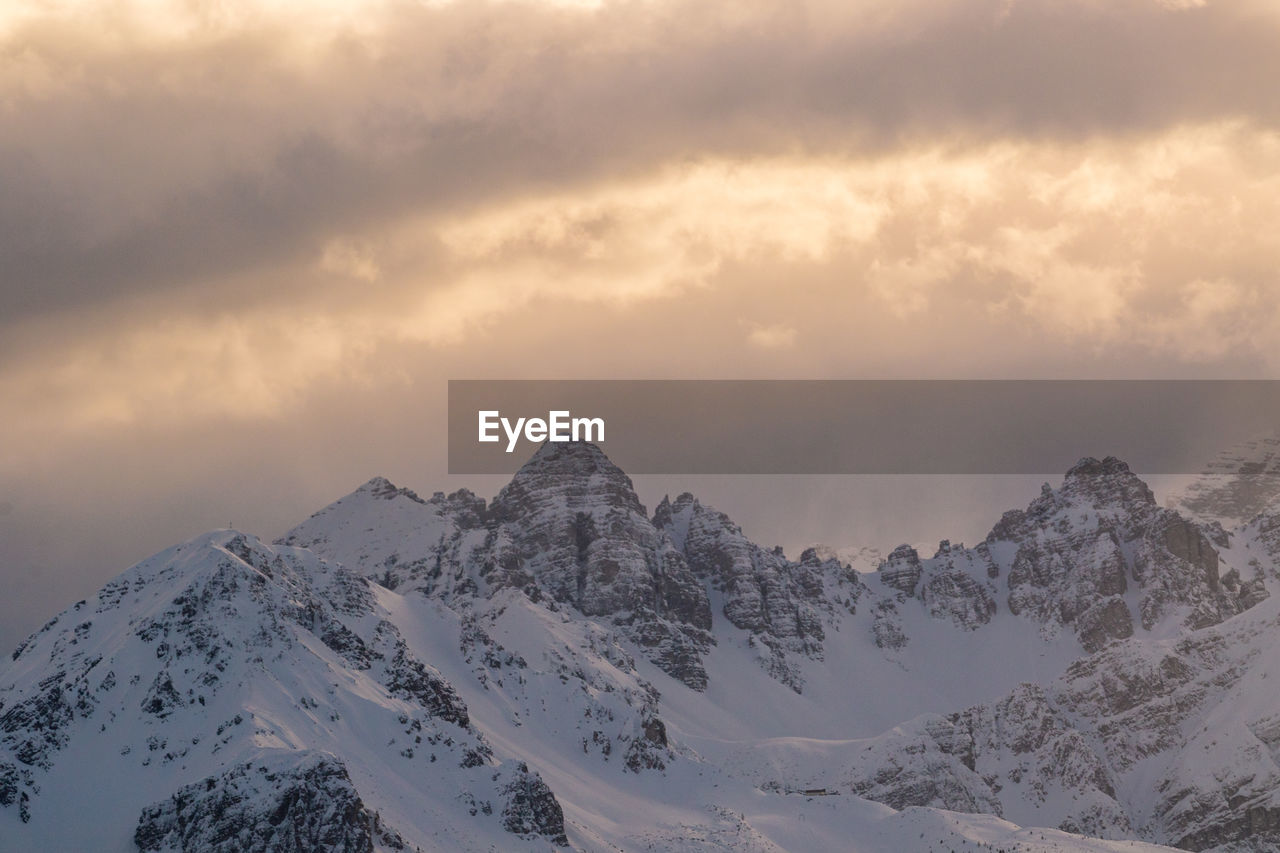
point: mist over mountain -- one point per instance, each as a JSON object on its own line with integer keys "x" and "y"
{"x": 1243, "y": 481}
{"x": 563, "y": 667}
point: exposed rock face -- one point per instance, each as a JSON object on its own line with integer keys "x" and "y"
{"x": 571, "y": 520}
{"x": 295, "y": 803}
{"x": 1080, "y": 557}
{"x": 8, "y": 784}
{"x": 959, "y": 586}
{"x": 1069, "y": 560}
{"x": 411, "y": 679}
{"x": 922, "y": 773}
{"x": 1098, "y": 558}
{"x": 531, "y": 809}
{"x": 217, "y": 649}
{"x": 37, "y": 725}
{"x": 1173, "y": 724}
{"x": 12, "y": 781}
{"x": 1175, "y": 564}
{"x": 568, "y": 527}
{"x": 886, "y": 626}
{"x": 779, "y": 602}
{"x": 1020, "y": 755}
{"x": 955, "y": 584}
{"x": 1220, "y": 777}
{"x": 901, "y": 570}
{"x": 1103, "y": 622}
{"x": 229, "y": 601}
{"x": 1264, "y": 530}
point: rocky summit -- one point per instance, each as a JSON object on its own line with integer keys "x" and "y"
{"x": 557, "y": 668}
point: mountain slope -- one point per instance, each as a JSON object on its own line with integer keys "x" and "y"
{"x": 557, "y": 668}
{"x": 217, "y": 657}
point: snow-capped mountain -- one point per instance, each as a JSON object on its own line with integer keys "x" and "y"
{"x": 274, "y": 685}
{"x": 863, "y": 558}
{"x": 558, "y": 668}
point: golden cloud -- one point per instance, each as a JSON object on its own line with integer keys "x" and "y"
{"x": 1158, "y": 242}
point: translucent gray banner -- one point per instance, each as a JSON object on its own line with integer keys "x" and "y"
{"x": 859, "y": 426}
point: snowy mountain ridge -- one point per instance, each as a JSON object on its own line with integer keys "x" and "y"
{"x": 558, "y": 668}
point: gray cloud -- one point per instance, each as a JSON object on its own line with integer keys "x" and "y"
{"x": 135, "y": 167}
{"x": 238, "y": 260}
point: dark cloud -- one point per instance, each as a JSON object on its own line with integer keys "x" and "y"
{"x": 162, "y": 163}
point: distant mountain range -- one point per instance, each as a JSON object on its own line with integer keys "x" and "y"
{"x": 1241, "y": 483}
{"x": 559, "y": 668}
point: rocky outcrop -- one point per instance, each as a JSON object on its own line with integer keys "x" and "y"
{"x": 1104, "y": 621}
{"x": 291, "y": 803}
{"x": 1175, "y": 722}
{"x": 568, "y": 528}
{"x": 13, "y": 781}
{"x": 955, "y": 584}
{"x": 1177, "y": 566}
{"x": 959, "y": 586}
{"x": 1079, "y": 547}
{"x": 1264, "y": 533}
{"x": 780, "y": 603}
{"x": 901, "y": 570}
{"x": 1082, "y": 558}
{"x": 531, "y": 809}
{"x": 409, "y": 678}
{"x": 918, "y": 771}
{"x": 1178, "y": 705}
{"x": 570, "y": 531}
{"x": 886, "y": 626}
{"x": 1099, "y": 558}
{"x": 1020, "y": 755}
{"x": 571, "y": 521}
{"x": 763, "y": 592}
{"x": 38, "y": 724}
{"x": 168, "y": 640}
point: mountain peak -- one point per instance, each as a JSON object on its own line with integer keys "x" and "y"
{"x": 1108, "y": 482}
{"x": 384, "y": 489}
{"x": 578, "y": 472}
{"x": 364, "y": 691}
{"x": 578, "y": 453}
{"x": 1089, "y": 466}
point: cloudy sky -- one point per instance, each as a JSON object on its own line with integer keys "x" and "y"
{"x": 243, "y": 245}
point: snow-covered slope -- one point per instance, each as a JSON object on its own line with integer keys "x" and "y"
{"x": 557, "y": 668}
{"x": 213, "y": 663}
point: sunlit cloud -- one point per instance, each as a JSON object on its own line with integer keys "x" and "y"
{"x": 1154, "y": 242}
{"x": 254, "y": 133}
{"x": 772, "y": 337}
{"x": 224, "y": 219}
